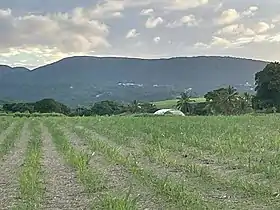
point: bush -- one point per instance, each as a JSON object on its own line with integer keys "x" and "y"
{"x": 107, "y": 108}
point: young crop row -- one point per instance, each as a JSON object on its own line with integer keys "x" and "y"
{"x": 173, "y": 191}
{"x": 30, "y": 178}
{"x": 9, "y": 141}
{"x": 164, "y": 156}
{"x": 199, "y": 163}
{"x": 5, "y": 122}
{"x": 242, "y": 141}
{"x": 93, "y": 181}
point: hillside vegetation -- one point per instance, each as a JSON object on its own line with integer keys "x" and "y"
{"x": 221, "y": 101}
{"x": 83, "y": 80}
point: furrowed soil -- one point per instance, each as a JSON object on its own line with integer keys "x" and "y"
{"x": 10, "y": 169}
{"x": 63, "y": 190}
{"x": 118, "y": 178}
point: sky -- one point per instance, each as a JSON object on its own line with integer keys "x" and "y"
{"x": 37, "y": 32}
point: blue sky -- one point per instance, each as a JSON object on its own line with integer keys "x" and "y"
{"x": 37, "y": 32}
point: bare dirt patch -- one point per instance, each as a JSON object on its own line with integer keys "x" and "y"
{"x": 63, "y": 190}
{"x": 10, "y": 168}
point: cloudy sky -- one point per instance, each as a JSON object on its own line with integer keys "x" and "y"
{"x": 36, "y": 32}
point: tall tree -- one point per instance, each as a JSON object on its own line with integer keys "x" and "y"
{"x": 268, "y": 86}
{"x": 134, "y": 106}
{"x": 183, "y": 103}
{"x": 49, "y": 105}
{"x": 107, "y": 107}
{"x": 245, "y": 103}
{"x": 222, "y": 101}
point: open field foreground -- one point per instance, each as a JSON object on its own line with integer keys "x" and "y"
{"x": 127, "y": 163}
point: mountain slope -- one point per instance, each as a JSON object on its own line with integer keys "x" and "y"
{"x": 83, "y": 80}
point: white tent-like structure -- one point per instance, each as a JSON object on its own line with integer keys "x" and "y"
{"x": 169, "y": 112}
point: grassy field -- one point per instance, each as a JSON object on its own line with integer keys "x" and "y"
{"x": 127, "y": 163}
{"x": 168, "y": 104}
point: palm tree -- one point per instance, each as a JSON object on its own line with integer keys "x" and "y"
{"x": 223, "y": 100}
{"x": 183, "y": 103}
{"x": 134, "y": 107}
{"x": 248, "y": 98}
{"x": 230, "y": 94}
{"x": 229, "y": 100}
{"x": 245, "y": 103}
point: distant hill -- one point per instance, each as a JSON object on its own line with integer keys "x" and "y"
{"x": 84, "y": 79}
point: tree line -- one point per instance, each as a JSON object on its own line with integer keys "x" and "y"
{"x": 106, "y": 107}
{"x": 228, "y": 101}
{"x": 222, "y": 101}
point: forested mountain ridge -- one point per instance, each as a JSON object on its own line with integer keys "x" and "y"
{"x": 85, "y": 79}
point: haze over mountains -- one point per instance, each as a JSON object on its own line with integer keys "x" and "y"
{"x": 84, "y": 80}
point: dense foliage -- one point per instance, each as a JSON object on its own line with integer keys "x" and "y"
{"x": 42, "y": 106}
{"x": 107, "y": 108}
{"x": 268, "y": 87}
{"x": 227, "y": 101}
{"x": 100, "y": 108}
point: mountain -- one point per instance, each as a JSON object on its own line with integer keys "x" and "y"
{"x": 84, "y": 79}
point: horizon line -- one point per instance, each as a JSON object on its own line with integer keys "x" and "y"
{"x": 137, "y": 57}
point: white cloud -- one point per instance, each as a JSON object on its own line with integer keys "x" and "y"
{"x": 184, "y": 4}
{"x": 108, "y": 6}
{"x": 274, "y": 38}
{"x": 157, "y": 39}
{"x": 132, "y": 34}
{"x": 251, "y": 11}
{"x": 69, "y": 32}
{"x": 106, "y": 10}
{"x": 117, "y": 14}
{"x": 153, "y": 22}
{"x": 241, "y": 41}
{"x": 104, "y": 28}
{"x": 39, "y": 55}
{"x": 238, "y": 41}
{"x": 201, "y": 45}
{"x": 236, "y": 29}
{"x": 228, "y": 17}
{"x": 189, "y": 20}
{"x": 262, "y": 27}
{"x": 218, "y": 41}
{"x": 5, "y": 13}
{"x": 242, "y": 30}
{"x": 112, "y": 8}
{"x": 147, "y": 12}
{"x": 223, "y": 43}
{"x": 261, "y": 38}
